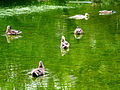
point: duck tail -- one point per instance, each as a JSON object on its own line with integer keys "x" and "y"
{"x": 20, "y": 32}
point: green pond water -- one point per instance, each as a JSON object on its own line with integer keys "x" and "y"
{"x": 92, "y": 62}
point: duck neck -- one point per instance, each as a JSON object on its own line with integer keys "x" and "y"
{"x": 8, "y": 30}
{"x": 41, "y": 65}
{"x": 86, "y": 15}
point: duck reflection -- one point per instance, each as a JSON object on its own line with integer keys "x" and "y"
{"x": 12, "y": 37}
{"x": 78, "y": 36}
{"x": 64, "y": 51}
{"x": 37, "y": 82}
{"x": 40, "y": 79}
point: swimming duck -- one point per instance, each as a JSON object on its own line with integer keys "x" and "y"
{"x": 78, "y": 31}
{"x": 9, "y": 31}
{"x": 64, "y": 43}
{"x": 80, "y": 16}
{"x": 106, "y": 12}
{"x": 40, "y": 71}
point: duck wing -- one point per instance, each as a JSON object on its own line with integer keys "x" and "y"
{"x": 16, "y": 31}
{"x": 37, "y": 72}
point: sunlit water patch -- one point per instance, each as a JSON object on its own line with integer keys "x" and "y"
{"x": 74, "y": 2}
{"x": 27, "y": 10}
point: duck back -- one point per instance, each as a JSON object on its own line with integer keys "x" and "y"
{"x": 39, "y": 71}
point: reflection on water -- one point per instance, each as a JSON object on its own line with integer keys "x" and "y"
{"x": 92, "y": 41}
{"x": 64, "y": 51}
{"x": 52, "y": 80}
{"x": 78, "y": 36}
{"x": 9, "y": 38}
{"x": 68, "y": 82}
{"x": 41, "y": 81}
{"x": 27, "y": 10}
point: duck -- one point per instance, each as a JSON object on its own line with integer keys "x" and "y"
{"x": 106, "y": 12}
{"x": 78, "y": 31}
{"x": 40, "y": 71}
{"x": 64, "y": 43}
{"x": 9, "y": 31}
{"x": 80, "y": 16}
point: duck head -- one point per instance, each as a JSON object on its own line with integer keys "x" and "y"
{"x": 8, "y": 28}
{"x": 86, "y": 14}
{"x": 41, "y": 65}
{"x": 62, "y": 39}
{"x": 78, "y": 27}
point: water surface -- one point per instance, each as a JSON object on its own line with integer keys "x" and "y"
{"x": 92, "y": 62}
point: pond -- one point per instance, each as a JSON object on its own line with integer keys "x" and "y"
{"x": 92, "y": 62}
